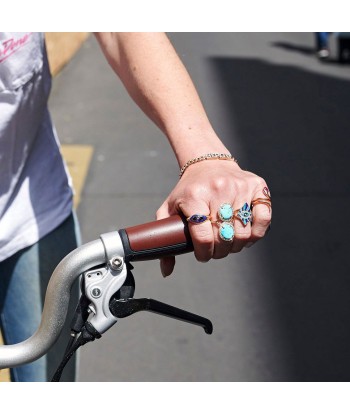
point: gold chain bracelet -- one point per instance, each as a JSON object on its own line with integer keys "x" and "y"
{"x": 210, "y": 156}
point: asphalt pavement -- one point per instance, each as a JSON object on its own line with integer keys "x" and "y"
{"x": 280, "y": 309}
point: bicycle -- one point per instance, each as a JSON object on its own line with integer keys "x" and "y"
{"x": 107, "y": 289}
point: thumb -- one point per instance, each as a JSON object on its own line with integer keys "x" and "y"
{"x": 167, "y": 264}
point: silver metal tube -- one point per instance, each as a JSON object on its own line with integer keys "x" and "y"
{"x": 55, "y": 307}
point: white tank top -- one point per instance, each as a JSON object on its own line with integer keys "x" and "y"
{"x": 35, "y": 189}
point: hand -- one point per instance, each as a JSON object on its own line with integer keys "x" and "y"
{"x": 202, "y": 189}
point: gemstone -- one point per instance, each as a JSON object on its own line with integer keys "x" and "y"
{"x": 226, "y": 231}
{"x": 225, "y": 211}
{"x": 245, "y": 214}
{"x": 197, "y": 218}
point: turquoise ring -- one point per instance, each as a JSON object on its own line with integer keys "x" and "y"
{"x": 244, "y": 214}
{"x": 226, "y": 212}
{"x": 226, "y": 228}
{"x": 226, "y": 231}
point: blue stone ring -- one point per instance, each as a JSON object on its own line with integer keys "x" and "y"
{"x": 226, "y": 212}
{"x": 244, "y": 214}
{"x": 226, "y": 231}
{"x": 198, "y": 218}
{"x": 226, "y": 228}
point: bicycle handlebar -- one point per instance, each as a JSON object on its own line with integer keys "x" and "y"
{"x": 138, "y": 243}
{"x": 156, "y": 239}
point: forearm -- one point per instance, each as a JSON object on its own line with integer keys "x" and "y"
{"x": 158, "y": 82}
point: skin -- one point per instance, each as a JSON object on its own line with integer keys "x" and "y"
{"x": 158, "y": 82}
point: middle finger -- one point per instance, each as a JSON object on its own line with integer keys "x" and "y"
{"x": 223, "y": 229}
{"x": 242, "y": 223}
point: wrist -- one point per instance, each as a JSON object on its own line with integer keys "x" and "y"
{"x": 205, "y": 157}
{"x": 195, "y": 144}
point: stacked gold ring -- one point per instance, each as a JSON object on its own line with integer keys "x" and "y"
{"x": 263, "y": 200}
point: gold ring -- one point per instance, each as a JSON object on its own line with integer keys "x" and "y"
{"x": 263, "y": 200}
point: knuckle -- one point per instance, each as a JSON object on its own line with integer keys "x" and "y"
{"x": 240, "y": 185}
{"x": 220, "y": 184}
{"x": 202, "y": 235}
{"x": 193, "y": 193}
{"x": 260, "y": 182}
{"x": 264, "y": 219}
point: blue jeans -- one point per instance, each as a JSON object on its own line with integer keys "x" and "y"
{"x": 322, "y": 40}
{"x": 23, "y": 281}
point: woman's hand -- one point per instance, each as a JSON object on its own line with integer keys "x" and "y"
{"x": 202, "y": 189}
{"x": 160, "y": 85}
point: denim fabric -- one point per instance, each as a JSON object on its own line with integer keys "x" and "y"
{"x": 322, "y": 40}
{"x": 23, "y": 281}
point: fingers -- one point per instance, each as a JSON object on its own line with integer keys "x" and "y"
{"x": 221, "y": 247}
{"x": 167, "y": 265}
{"x": 262, "y": 214}
{"x": 261, "y": 221}
{"x": 248, "y": 233}
{"x": 201, "y": 233}
{"x": 193, "y": 195}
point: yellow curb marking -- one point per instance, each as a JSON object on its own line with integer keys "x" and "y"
{"x": 4, "y": 373}
{"x": 78, "y": 159}
{"x": 61, "y": 47}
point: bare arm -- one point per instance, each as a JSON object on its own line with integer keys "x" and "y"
{"x": 158, "y": 82}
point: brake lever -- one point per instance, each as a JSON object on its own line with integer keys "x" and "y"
{"x": 122, "y": 304}
{"x": 107, "y": 294}
{"x": 126, "y": 307}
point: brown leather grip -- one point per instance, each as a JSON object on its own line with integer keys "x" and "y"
{"x": 156, "y": 239}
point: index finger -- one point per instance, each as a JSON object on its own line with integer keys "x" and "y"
{"x": 201, "y": 230}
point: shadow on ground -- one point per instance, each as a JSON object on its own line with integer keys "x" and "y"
{"x": 293, "y": 47}
{"x": 294, "y": 128}
{"x": 309, "y": 51}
